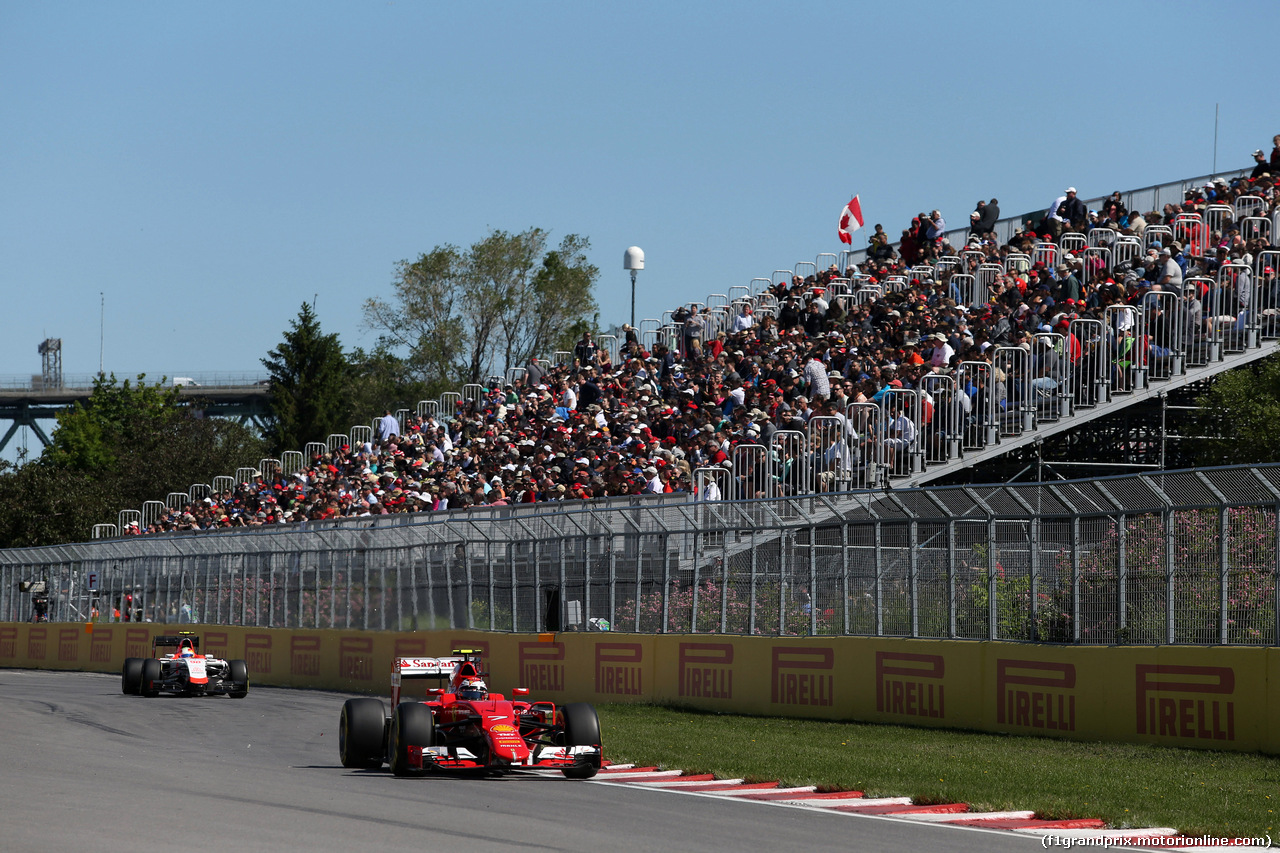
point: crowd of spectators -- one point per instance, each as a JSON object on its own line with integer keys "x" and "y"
{"x": 643, "y": 424}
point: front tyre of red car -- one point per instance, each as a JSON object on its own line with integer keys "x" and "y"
{"x": 360, "y": 730}
{"x": 131, "y": 677}
{"x": 581, "y": 728}
{"x": 238, "y": 675}
{"x": 152, "y": 672}
{"x": 411, "y": 726}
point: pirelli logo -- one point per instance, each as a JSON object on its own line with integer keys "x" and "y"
{"x": 100, "y": 645}
{"x": 911, "y": 684}
{"x": 68, "y": 645}
{"x": 618, "y": 669}
{"x": 706, "y": 670}
{"x": 802, "y": 676}
{"x": 257, "y": 653}
{"x": 1186, "y": 702}
{"x": 355, "y": 658}
{"x": 37, "y": 643}
{"x": 137, "y": 643}
{"x": 542, "y": 666}
{"x": 304, "y": 656}
{"x": 409, "y": 647}
{"x": 8, "y": 642}
{"x": 1036, "y": 694}
{"x": 216, "y": 644}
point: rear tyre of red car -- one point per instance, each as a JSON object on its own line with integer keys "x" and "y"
{"x": 360, "y": 733}
{"x": 411, "y": 725}
{"x": 581, "y": 728}
{"x": 131, "y": 677}
{"x": 151, "y": 675}
{"x": 238, "y": 675}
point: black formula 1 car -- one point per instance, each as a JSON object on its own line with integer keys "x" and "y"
{"x": 185, "y": 672}
{"x": 465, "y": 727}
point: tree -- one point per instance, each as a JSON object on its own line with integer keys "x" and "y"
{"x": 377, "y": 380}
{"x": 464, "y": 315}
{"x": 129, "y": 443}
{"x": 308, "y": 377}
{"x": 1240, "y": 416}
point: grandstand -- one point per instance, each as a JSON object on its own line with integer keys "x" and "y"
{"x": 894, "y": 366}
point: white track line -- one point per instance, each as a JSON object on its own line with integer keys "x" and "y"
{"x": 640, "y": 774}
{"x": 803, "y": 789}
{"x": 946, "y": 818}
{"x": 1145, "y": 832}
{"x": 848, "y": 801}
{"x": 681, "y": 784}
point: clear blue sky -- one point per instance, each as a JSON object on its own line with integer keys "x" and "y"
{"x": 210, "y": 166}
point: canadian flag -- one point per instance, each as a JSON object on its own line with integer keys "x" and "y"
{"x": 850, "y": 220}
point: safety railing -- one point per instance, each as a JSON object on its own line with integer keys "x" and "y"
{"x": 1171, "y": 557}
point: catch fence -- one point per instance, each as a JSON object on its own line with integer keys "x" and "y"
{"x": 1170, "y": 557}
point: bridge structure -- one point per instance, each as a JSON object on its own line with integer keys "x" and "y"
{"x": 25, "y": 401}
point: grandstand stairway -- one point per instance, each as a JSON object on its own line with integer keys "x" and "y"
{"x": 830, "y": 507}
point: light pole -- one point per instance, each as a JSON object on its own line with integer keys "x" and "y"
{"x": 633, "y": 259}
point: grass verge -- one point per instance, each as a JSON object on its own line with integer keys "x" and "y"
{"x": 1127, "y": 785}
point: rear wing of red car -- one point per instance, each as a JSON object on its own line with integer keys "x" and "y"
{"x": 441, "y": 668}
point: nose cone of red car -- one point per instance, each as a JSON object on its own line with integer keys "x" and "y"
{"x": 505, "y": 743}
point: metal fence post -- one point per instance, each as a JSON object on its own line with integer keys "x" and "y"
{"x": 666, "y": 585}
{"x": 1075, "y": 578}
{"x": 1122, "y": 578}
{"x": 492, "y": 590}
{"x": 586, "y": 582}
{"x": 1224, "y": 570}
{"x": 724, "y": 588}
{"x": 751, "y": 617}
{"x": 844, "y": 575}
{"x": 878, "y": 582}
{"x": 993, "y": 591}
{"x": 784, "y": 574}
{"x": 1033, "y": 569}
{"x": 952, "y": 627}
{"x": 537, "y": 587}
{"x": 613, "y": 582}
{"x": 1169, "y": 552}
{"x": 693, "y": 617}
{"x": 913, "y": 574}
{"x": 515, "y": 596}
{"x": 813, "y": 580}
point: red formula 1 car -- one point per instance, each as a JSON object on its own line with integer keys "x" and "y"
{"x": 465, "y": 727}
{"x": 185, "y": 672}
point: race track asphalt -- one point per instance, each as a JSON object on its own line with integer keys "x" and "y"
{"x": 85, "y": 768}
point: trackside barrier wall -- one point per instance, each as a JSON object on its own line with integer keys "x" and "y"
{"x": 1213, "y": 698}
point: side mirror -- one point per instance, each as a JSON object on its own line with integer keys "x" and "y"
{"x": 520, "y": 691}
{"x": 434, "y": 691}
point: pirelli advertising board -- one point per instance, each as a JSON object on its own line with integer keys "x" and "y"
{"x": 1215, "y": 697}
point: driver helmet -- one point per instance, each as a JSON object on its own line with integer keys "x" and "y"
{"x": 473, "y": 689}
{"x": 187, "y": 652}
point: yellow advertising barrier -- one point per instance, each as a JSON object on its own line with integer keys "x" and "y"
{"x": 1207, "y": 697}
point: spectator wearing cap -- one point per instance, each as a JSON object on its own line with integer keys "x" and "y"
{"x": 937, "y": 228}
{"x": 1170, "y": 274}
{"x": 942, "y": 351}
{"x": 1260, "y": 165}
{"x": 1067, "y": 210}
